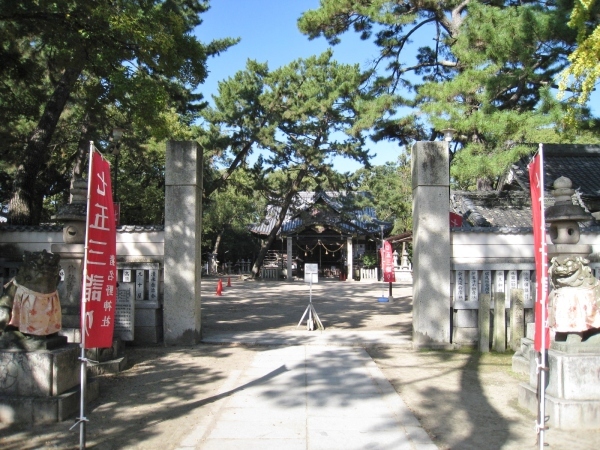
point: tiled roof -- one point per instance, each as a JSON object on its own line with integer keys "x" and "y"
{"x": 579, "y": 163}
{"x": 139, "y": 228}
{"x": 509, "y": 209}
{"x": 29, "y": 228}
{"x": 492, "y": 209}
{"x": 359, "y": 221}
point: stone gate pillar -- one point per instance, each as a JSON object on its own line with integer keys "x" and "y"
{"x": 183, "y": 229}
{"x": 431, "y": 244}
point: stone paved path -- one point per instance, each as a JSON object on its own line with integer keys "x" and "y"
{"x": 310, "y": 397}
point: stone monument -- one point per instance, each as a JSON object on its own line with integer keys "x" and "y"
{"x": 573, "y": 389}
{"x": 39, "y": 370}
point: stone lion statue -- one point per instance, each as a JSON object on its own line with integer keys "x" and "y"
{"x": 574, "y": 312}
{"x": 30, "y": 303}
{"x": 571, "y": 271}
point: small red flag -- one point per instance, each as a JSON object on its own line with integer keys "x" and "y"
{"x": 99, "y": 292}
{"x": 536, "y": 182}
{"x": 455, "y": 220}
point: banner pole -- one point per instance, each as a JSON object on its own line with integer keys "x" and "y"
{"x": 544, "y": 292}
{"x": 83, "y": 374}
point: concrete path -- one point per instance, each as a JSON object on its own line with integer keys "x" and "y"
{"x": 309, "y": 397}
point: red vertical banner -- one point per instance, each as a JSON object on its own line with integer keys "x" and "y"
{"x": 536, "y": 181}
{"x": 100, "y": 274}
{"x": 387, "y": 262}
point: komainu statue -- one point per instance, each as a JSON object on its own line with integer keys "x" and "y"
{"x": 30, "y": 305}
{"x": 574, "y": 312}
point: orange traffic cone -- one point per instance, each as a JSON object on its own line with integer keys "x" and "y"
{"x": 219, "y": 287}
{"x": 229, "y": 282}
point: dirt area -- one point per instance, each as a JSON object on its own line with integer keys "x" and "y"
{"x": 263, "y": 305}
{"x": 464, "y": 399}
{"x": 468, "y": 400}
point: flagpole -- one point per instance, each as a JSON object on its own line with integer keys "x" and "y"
{"x": 544, "y": 292}
{"x": 83, "y": 359}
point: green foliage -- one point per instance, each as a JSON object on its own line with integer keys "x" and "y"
{"x": 582, "y": 75}
{"x": 485, "y": 69}
{"x": 369, "y": 260}
{"x": 390, "y": 189}
{"x": 226, "y": 216}
{"x": 73, "y": 70}
{"x": 298, "y": 116}
{"x": 140, "y": 186}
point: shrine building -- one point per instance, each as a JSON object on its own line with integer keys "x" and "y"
{"x": 324, "y": 228}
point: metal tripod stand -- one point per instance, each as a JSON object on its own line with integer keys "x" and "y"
{"x": 313, "y": 317}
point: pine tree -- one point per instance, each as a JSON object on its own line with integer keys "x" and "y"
{"x": 486, "y": 69}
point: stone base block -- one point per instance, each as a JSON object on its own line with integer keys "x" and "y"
{"x": 574, "y": 376}
{"x": 530, "y": 330}
{"x": 14, "y": 340}
{"x": 465, "y": 318}
{"x": 39, "y": 410}
{"x": 563, "y": 414}
{"x": 521, "y": 359}
{"x": 148, "y": 323}
{"x": 572, "y": 389}
{"x": 465, "y": 336}
{"x": 148, "y": 335}
{"x": 39, "y": 373}
{"x": 113, "y": 366}
{"x": 73, "y": 335}
{"x": 403, "y": 276}
{"x": 520, "y": 364}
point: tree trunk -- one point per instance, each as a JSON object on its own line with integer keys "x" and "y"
{"x": 26, "y": 204}
{"x": 218, "y": 242}
{"x": 83, "y": 146}
{"x": 285, "y": 205}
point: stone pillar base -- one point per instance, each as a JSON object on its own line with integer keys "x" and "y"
{"x": 572, "y": 392}
{"x": 563, "y": 414}
{"x": 41, "y": 386}
{"x": 40, "y": 410}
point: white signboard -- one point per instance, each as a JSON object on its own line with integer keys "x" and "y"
{"x": 513, "y": 282}
{"x": 459, "y": 286}
{"x": 473, "y": 286}
{"x": 525, "y": 283}
{"x": 486, "y": 283}
{"x": 311, "y": 273}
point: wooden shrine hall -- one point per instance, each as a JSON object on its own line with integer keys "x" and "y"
{"x": 324, "y": 228}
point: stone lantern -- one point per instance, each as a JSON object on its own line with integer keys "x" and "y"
{"x": 73, "y": 215}
{"x": 572, "y": 394}
{"x": 563, "y": 218}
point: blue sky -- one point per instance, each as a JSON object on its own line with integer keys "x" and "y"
{"x": 269, "y": 34}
